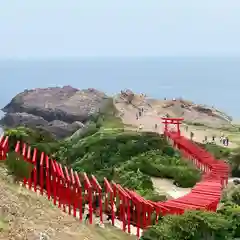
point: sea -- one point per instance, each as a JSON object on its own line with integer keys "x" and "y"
{"x": 214, "y": 81}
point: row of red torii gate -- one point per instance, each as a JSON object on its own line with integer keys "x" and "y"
{"x": 75, "y": 192}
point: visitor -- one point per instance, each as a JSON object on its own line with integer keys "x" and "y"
{"x": 213, "y": 138}
{"x": 226, "y": 141}
{"x": 205, "y": 139}
{"x": 136, "y": 116}
{"x": 109, "y": 215}
{"x": 88, "y": 213}
{"x": 140, "y": 127}
{"x": 186, "y": 128}
{"x": 109, "y": 211}
{"x": 191, "y": 135}
{"x": 156, "y": 126}
{"x": 96, "y": 204}
{"x": 221, "y": 137}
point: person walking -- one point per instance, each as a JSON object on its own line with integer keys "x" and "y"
{"x": 191, "y": 135}
{"x": 88, "y": 213}
{"x": 109, "y": 211}
{"x": 221, "y": 138}
{"x": 226, "y": 141}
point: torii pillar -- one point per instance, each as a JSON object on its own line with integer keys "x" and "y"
{"x": 172, "y": 121}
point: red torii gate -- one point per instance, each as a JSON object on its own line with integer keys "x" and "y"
{"x": 172, "y": 121}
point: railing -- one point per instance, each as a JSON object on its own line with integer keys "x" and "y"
{"x": 73, "y": 192}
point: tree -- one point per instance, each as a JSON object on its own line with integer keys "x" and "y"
{"x": 16, "y": 134}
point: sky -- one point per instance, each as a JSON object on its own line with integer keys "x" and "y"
{"x": 76, "y": 28}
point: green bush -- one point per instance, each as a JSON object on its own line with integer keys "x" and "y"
{"x": 192, "y": 225}
{"x": 17, "y": 167}
{"x": 134, "y": 180}
{"x": 185, "y": 177}
{"x": 156, "y": 164}
{"x": 152, "y": 195}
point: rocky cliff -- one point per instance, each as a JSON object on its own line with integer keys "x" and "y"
{"x": 61, "y": 111}
{"x": 192, "y": 113}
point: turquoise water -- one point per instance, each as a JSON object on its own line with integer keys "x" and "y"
{"x": 213, "y": 81}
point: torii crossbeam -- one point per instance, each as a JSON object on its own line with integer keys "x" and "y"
{"x": 172, "y": 121}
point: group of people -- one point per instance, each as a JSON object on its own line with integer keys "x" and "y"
{"x": 212, "y": 140}
{"x": 223, "y": 139}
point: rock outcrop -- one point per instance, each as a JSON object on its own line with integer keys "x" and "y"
{"x": 193, "y": 113}
{"x": 61, "y": 111}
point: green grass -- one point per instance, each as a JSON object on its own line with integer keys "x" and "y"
{"x": 3, "y": 225}
{"x": 112, "y": 122}
{"x": 235, "y": 137}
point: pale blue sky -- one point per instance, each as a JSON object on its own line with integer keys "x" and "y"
{"x": 75, "y": 28}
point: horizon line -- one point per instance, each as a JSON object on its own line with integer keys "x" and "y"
{"x": 52, "y": 58}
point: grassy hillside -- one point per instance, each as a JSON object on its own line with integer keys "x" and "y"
{"x": 105, "y": 149}
{"x": 24, "y": 215}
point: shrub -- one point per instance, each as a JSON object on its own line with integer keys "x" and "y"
{"x": 192, "y": 225}
{"x": 152, "y": 195}
{"x": 18, "y": 167}
{"x": 156, "y": 164}
{"x": 186, "y": 177}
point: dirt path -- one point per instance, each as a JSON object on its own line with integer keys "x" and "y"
{"x": 166, "y": 186}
